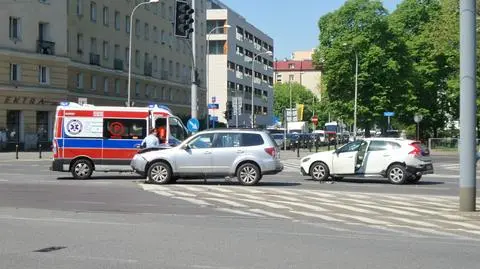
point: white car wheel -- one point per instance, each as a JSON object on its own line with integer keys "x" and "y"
{"x": 319, "y": 171}
{"x": 397, "y": 174}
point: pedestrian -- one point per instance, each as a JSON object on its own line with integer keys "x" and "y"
{"x": 151, "y": 141}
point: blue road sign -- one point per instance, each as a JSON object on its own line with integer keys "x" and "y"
{"x": 388, "y": 114}
{"x": 213, "y": 106}
{"x": 193, "y": 125}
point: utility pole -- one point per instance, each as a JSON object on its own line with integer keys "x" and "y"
{"x": 468, "y": 106}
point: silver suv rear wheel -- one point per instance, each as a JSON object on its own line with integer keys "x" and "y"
{"x": 397, "y": 174}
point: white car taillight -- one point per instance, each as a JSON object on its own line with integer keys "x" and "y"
{"x": 416, "y": 150}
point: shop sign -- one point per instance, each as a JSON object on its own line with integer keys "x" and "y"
{"x": 25, "y": 100}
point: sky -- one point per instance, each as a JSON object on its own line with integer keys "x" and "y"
{"x": 291, "y": 24}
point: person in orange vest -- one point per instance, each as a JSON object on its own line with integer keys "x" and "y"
{"x": 162, "y": 134}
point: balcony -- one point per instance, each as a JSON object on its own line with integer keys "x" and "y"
{"x": 147, "y": 69}
{"x": 45, "y": 47}
{"x": 94, "y": 59}
{"x": 257, "y": 80}
{"x": 239, "y": 74}
{"x": 118, "y": 64}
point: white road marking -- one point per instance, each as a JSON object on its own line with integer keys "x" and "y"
{"x": 192, "y": 188}
{"x": 86, "y": 202}
{"x": 252, "y": 190}
{"x": 420, "y": 210}
{"x": 219, "y": 195}
{"x": 149, "y": 187}
{"x": 227, "y": 202}
{"x": 285, "y": 198}
{"x": 194, "y": 201}
{"x": 364, "y": 219}
{"x": 163, "y": 193}
{"x": 308, "y": 206}
{"x": 458, "y": 223}
{"x": 265, "y": 203}
{"x": 352, "y": 208}
{"x": 238, "y": 212}
{"x": 429, "y": 230}
{"x": 392, "y": 210}
{"x": 313, "y": 215}
{"x": 3, "y": 180}
{"x": 319, "y": 193}
{"x": 249, "y": 196}
{"x": 284, "y": 192}
{"x": 268, "y": 213}
{"x": 416, "y": 222}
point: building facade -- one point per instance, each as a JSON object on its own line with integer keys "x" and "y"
{"x": 300, "y": 69}
{"x": 77, "y": 50}
{"x": 231, "y": 69}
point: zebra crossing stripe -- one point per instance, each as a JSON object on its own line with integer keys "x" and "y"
{"x": 182, "y": 193}
{"x": 458, "y": 223}
{"x": 268, "y": 213}
{"x": 364, "y": 219}
{"x": 416, "y": 222}
{"x": 194, "y": 201}
{"x": 392, "y": 210}
{"x": 227, "y": 202}
{"x": 313, "y": 215}
{"x": 237, "y": 212}
{"x": 311, "y": 207}
{"x": 285, "y": 198}
{"x": 163, "y": 193}
{"x": 265, "y": 203}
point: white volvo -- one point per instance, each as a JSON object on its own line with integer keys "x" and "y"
{"x": 399, "y": 160}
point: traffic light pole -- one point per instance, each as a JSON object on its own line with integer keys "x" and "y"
{"x": 194, "y": 99}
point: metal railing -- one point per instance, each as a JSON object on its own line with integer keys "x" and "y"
{"x": 45, "y": 47}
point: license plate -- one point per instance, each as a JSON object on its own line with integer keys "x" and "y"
{"x": 429, "y": 167}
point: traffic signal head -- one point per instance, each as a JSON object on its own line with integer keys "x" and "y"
{"x": 183, "y": 19}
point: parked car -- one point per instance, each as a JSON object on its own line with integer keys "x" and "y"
{"x": 399, "y": 160}
{"x": 244, "y": 153}
{"x": 280, "y": 140}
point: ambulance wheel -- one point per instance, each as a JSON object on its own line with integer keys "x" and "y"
{"x": 159, "y": 173}
{"x": 82, "y": 169}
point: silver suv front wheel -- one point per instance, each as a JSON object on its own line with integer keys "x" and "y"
{"x": 397, "y": 174}
{"x": 159, "y": 173}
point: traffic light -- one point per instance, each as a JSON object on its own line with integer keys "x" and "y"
{"x": 183, "y": 19}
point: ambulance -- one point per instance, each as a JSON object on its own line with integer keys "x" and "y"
{"x": 91, "y": 138}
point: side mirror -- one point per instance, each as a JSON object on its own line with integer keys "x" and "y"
{"x": 185, "y": 147}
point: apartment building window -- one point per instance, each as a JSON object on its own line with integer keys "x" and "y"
{"x": 147, "y": 31}
{"x": 79, "y": 8}
{"x": 14, "y": 72}
{"x": 116, "y": 52}
{"x": 162, "y": 65}
{"x": 170, "y": 68}
{"x": 79, "y": 81}
{"x": 170, "y": 13}
{"x": 93, "y": 12}
{"x": 155, "y": 63}
{"x": 162, "y": 10}
{"x": 291, "y": 77}
{"x": 127, "y": 56}
{"x": 117, "y": 86}
{"x": 162, "y": 36}
{"x": 137, "y": 89}
{"x": 79, "y": 43}
{"x": 137, "y": 58}
{"x": 155, "y": 34}
{"x": 239, "y": 33}
{"x": 93, "y": 82}
{"x": 43, "y": 74}
{"x": 14, "y": 29}
{"x": 230, "y": 66}
{"x": 106, "y": 18}
{"x": 147, "y": 90}
{"x": 239, "y": 51}
{"x": 117, "y": 20}
{"x": 105, "y": 49}
{"x": 127, "y": 24}
{"x": 177, "y": 70}
{"x": 137, "y": 28}
{"x": 291, "y": 66}
{"x": 93, "y": 45}
{"x": 105, "y": 85}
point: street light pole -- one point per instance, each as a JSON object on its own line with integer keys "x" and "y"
{"x": 207, "y": 71}
{"x": 129, "y": 84}
{"x": 253, "y": 77}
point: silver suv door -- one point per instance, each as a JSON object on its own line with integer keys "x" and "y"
{"x": 196, "y": 158}
{"x": 226, "y": 149}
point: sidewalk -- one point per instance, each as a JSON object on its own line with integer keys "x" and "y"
{"x": 24, "y": 156}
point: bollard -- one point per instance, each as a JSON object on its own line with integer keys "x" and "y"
{"x": 298, "y": 149}
{"x": 316, "y": 145}
{"x": 328, "y": 146}
{"x": 39, "y": 151}
{"x": 16, "y": 151}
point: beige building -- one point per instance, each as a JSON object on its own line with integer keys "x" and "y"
{"x": 300, "y": 69}
{"x": 232, "y": 69}
{"x": 65, "y": 50}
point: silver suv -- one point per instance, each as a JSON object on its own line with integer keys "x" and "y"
{"x": 246, "y": 154}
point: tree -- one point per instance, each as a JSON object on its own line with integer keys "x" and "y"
{"x": 300, "y": 95}
{"x": 383, "y": 62}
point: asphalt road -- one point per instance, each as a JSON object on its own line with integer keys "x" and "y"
{"x": 115, "y": 221}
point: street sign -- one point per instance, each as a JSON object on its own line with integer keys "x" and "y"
{"x": 193, "y": 125}
{"x": 236, "y": 105}
{"x": 418, "y": 118}
{"x": 213, "y": 106}
{"x": 315, "y": 120}
{"x": 388, "y": 114}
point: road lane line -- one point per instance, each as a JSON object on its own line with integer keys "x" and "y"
{"x": 194, "y": 201}
{"x": 308, "y": 206}
{"x": 227, "y": 202}
{"x": 238, "y": 212}
{"x": 416, "y": 222}
{"x": 363, "y": 219}
{"x": 268, "y": 213}
{"x": 313, "y": 215}
{"x": 265, "y": 203}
